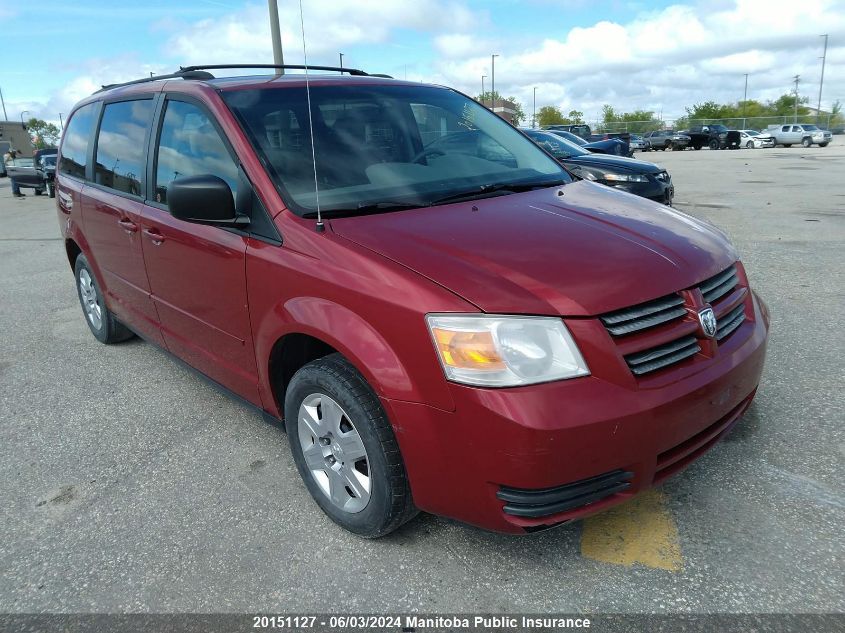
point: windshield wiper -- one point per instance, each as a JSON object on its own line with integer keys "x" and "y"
{"x": 484, "y": 191}
{"x": 363, "y": 208}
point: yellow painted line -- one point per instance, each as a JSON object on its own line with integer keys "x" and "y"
{"x": 639, "y": 531}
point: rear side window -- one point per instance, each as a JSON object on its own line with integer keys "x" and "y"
{"x": 120, "y": 145}
{"x": 75, "y": 144}
{"x": 189, "y": 145}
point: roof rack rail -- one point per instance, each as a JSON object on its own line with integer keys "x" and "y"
{"x": 181, "y": 74}
{"x": 200, "y": 73}
{"x": 351, "y": 71}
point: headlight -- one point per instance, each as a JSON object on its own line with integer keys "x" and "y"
{"x": 625, "y": 178}
{"x": 505, "y": 351}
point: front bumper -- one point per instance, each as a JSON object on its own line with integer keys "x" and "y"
{"x": 554, "y": 439}
{"x": 659, "y": 190}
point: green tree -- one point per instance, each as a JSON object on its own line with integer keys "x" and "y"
{"x": 486, "y": 99}
{"x": 550, "y": 115}
{"x": 576, "y": 116}
{"x": 836, "y": 117}
{"x": 43, "y": 134}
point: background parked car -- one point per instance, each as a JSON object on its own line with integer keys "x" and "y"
{"x": 803, "y": 133}
{"x": 629, "y": 174}
{"x": 714, "y": 136}
{"x": 25, "y": 175}
{"x": 666, "y": 139}
{"x": 614, "y": 146}
{"x": 637, "y": 142}
{"x": 752, "y": 139}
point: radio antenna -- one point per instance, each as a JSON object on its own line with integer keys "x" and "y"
{"x": 320, "y": 228}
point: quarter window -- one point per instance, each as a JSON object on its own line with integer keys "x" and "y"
{"x": 190, "y": 146}
{"x": 75, "y": 144}
{"x": 120, "y": 145}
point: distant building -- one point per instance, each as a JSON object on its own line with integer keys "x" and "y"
{"x": 504, "y": 108}
{"x": 14, "y": 136}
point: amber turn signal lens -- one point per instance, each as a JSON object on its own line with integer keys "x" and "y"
{"x": 468, "y": 350}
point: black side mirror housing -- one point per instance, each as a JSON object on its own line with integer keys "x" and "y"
{"x": 204, "y": 199}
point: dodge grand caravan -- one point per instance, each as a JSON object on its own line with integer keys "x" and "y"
{"x": 444, "y": 318}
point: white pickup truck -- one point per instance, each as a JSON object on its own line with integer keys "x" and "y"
{"x": 803, "y": 133}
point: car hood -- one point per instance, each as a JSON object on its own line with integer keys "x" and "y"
{"x": 592, "y": 250}
{"x": 617, "y": 163}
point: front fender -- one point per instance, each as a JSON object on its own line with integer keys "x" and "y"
{"x": 361, "y": 344}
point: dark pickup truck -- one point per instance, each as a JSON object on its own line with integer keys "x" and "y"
{"x": 714, "y": 136}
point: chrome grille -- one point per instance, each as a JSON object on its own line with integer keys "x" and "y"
{"x": 719, "y": 285}
{"x": 644, "y": 315}
{"x": 663, "y": 355}
{"x": 730, "y": 322}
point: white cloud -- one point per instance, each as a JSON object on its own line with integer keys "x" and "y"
{"x": 665, "y": 60}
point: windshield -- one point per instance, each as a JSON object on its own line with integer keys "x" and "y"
{"x": 390, "y": 145}
{"x": 810, "y": 128}
{"x": 555, "y": 145}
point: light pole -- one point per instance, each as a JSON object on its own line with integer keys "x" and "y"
{"x": 341, "y": 60}
{"x": 534, "y": 116}
{"x": 493, "y": 81}
{"x": 744, "y": 99}
{"x": 276, "y": 36}
{"x": 796, "y": 79}
{"x": 821, "y": 82}
{"x": 61, "y": 123}
{"x": 22, "y": 123}
{"x": 483, "y": 77}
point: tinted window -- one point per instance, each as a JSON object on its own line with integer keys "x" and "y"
{"x": 120, "y": 145}
{"x": 75, "y": 142}
{"x": 190, "y": 146}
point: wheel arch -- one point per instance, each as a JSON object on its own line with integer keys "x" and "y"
{"x": 306, "y": 328}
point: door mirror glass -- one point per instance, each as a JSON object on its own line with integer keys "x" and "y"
{"x": 205, "y": 199}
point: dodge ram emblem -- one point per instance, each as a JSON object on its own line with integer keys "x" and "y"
{"x": 708, "y": 322}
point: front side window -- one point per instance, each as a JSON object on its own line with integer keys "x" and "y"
{"x": 189, "y": 145}
{"x": 382, "y": 144}
{"x": 75, "y": 142}
{"x": 119, "y": 163}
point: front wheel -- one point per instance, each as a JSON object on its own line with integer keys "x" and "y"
{"x": 806, "y": 142}
{"x": 345, "y": 449}
{"x": 750, "y": 145}
{"x": 102, "y": 323}
{"x": 823, "y": 144}
{"x": 714, "y": 144}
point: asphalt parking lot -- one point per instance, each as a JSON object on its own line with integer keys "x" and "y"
{"x": 129, "y": 484}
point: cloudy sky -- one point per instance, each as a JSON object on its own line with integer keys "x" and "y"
{"x": 579, "y": 54}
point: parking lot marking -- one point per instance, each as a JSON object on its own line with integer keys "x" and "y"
{"x": 639, "y": 531}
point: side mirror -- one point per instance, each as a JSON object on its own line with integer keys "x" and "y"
{"x": 203, "y": 199}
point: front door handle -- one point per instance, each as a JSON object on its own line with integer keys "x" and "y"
{"x": 155, "y": 236}
{"x": 128, "y": 225}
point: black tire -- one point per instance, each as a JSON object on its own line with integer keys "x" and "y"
{"x": 51, "y": 191}
{"x": 38, "y": 192}
{"x": 110, "y": 330}
{"x": 806, "y": 142}
{"x": 390, "y": 504}
{"x": 825, "y": 144}
{"x": 787, "y": 144}
{"x": 714, "y": 144}
{"x": 749, "y": 145}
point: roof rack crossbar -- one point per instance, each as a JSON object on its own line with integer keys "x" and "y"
{"x": 339, "y": 69}
{"x": 182, "y": 74}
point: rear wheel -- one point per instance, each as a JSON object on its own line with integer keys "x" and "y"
{"x": 38, "y": 192}
{"x": 823, "y": 144}
{"x": 787, "y": 144}
{"x": 102, "y": 323}
{"x": 714, "y": 144}
{"x": 345, "y": 449}
{"x": 51, "y": 190}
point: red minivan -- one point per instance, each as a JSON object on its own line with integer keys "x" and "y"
{"x": 444, "y": 318}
